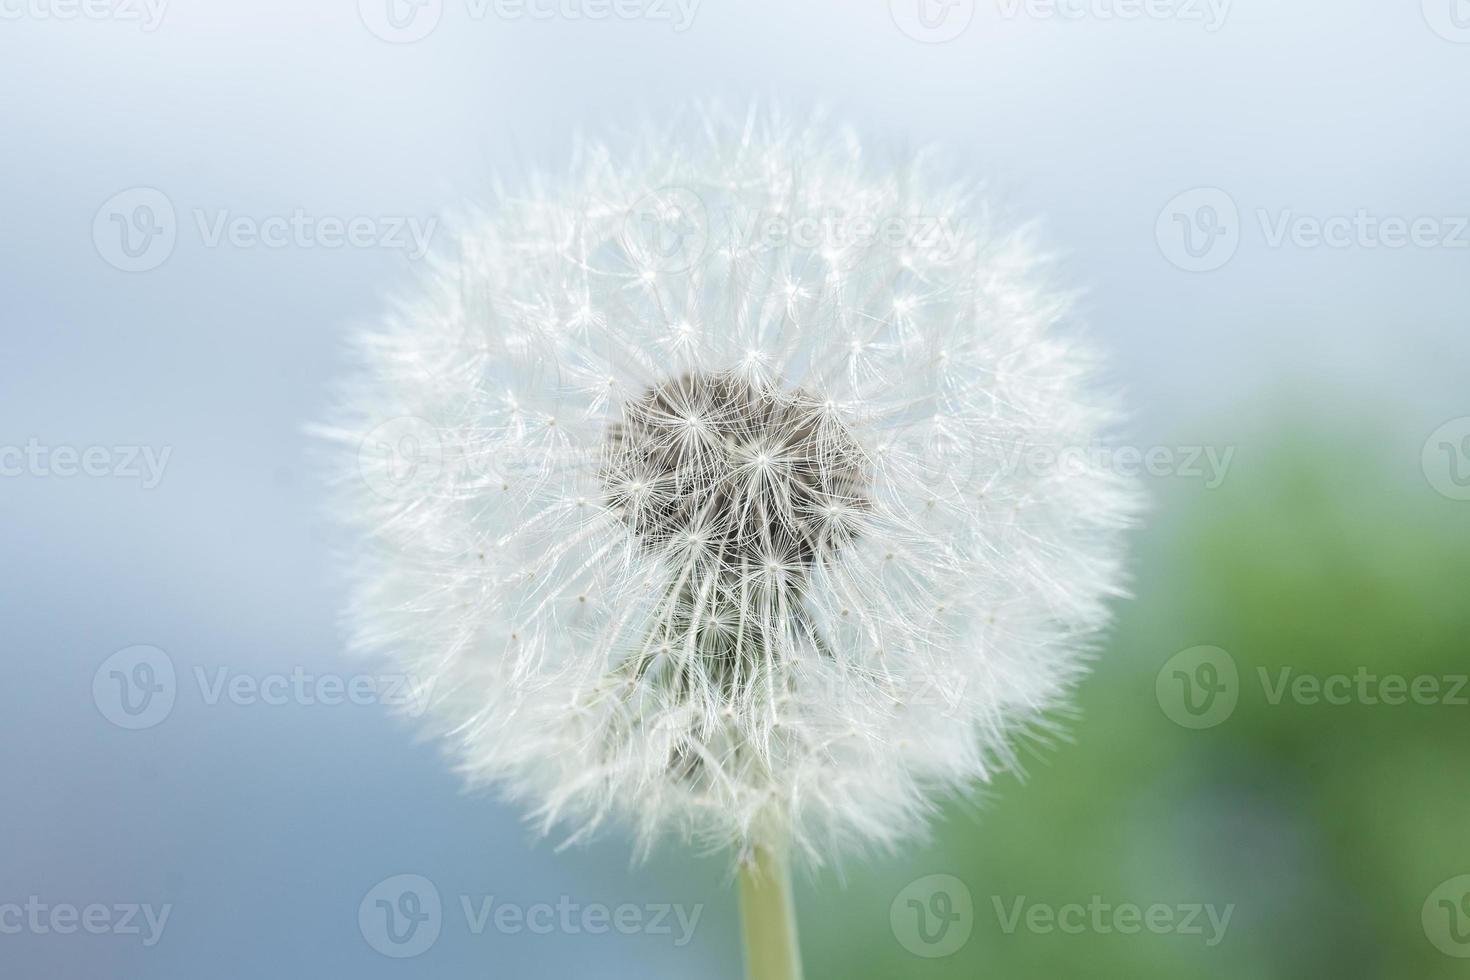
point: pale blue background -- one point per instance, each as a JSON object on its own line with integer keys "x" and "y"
{"x": 264, "y": 826}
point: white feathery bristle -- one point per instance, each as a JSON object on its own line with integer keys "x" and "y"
{"x": 699, "y": 491}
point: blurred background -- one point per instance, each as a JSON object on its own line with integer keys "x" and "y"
{"x": 1267, "y": 205}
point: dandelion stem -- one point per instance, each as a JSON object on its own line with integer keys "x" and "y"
{"x": 768, "y": 917}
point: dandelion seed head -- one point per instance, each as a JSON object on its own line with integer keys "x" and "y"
{"x": 706, "y": 505}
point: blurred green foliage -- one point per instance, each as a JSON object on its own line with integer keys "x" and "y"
{"x": 1324, "y": 827}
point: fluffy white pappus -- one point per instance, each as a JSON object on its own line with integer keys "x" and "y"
{"x": 727, "y": 487}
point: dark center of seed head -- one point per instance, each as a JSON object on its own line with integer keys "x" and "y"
{"x": 738, "y": 472}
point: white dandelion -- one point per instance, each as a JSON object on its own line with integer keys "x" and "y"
{"x": 720, "y": 489}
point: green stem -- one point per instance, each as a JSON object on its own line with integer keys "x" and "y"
{"x": 768, "y": 918}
